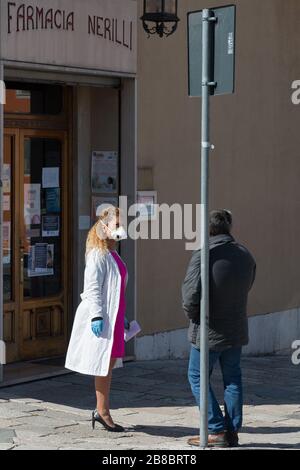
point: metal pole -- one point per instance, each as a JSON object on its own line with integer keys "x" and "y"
{"x": 204, "y": 308}
{"x": 1, "y": 215}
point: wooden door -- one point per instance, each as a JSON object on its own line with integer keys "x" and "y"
{"x": 36, "y": 269}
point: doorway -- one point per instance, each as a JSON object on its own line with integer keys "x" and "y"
{"x": 36, "y": 253}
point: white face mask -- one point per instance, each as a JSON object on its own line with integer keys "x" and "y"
{"x": 117, "y": 234}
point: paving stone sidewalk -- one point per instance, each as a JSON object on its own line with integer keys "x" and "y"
{"x": 153, "y": 401}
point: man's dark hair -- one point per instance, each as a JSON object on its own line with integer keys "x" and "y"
{"x": 220, "y": 222}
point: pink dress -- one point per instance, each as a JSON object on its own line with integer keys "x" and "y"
{"x": 118, "y": 349}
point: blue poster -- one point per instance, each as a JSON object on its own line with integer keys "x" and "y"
{"x": 53, "y": 200}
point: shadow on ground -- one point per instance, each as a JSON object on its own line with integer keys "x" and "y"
{"x": 156, "y": 385}
{"x": 267, "y": 381}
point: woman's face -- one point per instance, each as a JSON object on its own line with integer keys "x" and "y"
{"x": 113, "y": 224}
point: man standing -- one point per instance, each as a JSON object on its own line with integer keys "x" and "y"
{"x": 231, "y": 276}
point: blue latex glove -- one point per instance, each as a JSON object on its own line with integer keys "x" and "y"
{"x": 97, "y": 326}
{"x": 126, "y": 324}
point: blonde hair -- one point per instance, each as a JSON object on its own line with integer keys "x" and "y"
{"x": 93, "y": 240}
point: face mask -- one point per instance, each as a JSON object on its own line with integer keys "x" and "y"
{"x": 117, "y": 234}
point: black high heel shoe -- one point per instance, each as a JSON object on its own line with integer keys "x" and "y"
{"x": 96, "y": 417}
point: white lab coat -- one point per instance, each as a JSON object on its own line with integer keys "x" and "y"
{"x": 88, "y": 354}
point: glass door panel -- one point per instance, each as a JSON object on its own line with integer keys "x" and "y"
{"x": 8, "y": 218}
{"x": 42, "y": 217}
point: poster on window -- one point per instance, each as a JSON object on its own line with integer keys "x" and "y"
{"x": 41, "y": 260}
{"x": 6, "y": 202}
{"x": 97, "y": 201}
{"x": 52, "y": 196}
{"x": 6, "y": 242}
{"x": 104, "y": 172}
{"x": 50, "y": 226}
{"x": 32, "y": 204}
{"x": 50, "y": 177}
{"x": 6, "y": 178}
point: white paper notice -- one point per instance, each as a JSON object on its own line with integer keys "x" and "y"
{"x": 32, "y": 204}
{"x": 41, "y": 260}
{"x": 50, "y": 177}
{"x": 133, "y": 331}
{"x": 6, "y": 202}
{"x": 6, "y": 177}
{"x": 105, "y": 172}
{"x": 6, "y": 242}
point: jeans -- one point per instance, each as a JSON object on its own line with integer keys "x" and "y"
{"x": 233, "y": 391}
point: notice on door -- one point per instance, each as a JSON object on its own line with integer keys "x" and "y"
{"x": 6, "y": 242}
{"x": 6, "y": 178}
{"x": 50, "y": 177}
{"x": 40, "y": 261}
{"x": 32, "y": 204}
{"x": 50, "y": 226}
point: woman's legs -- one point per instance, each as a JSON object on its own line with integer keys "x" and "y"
{"x": 102, "y": 386}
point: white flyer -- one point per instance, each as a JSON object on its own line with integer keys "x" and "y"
{"x": 133, "y": 331}
{"x": 104, "y": 172}
{"x": 50, "y": 177}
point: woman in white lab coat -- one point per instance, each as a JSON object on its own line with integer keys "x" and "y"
{"x": 97, "y": 339}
